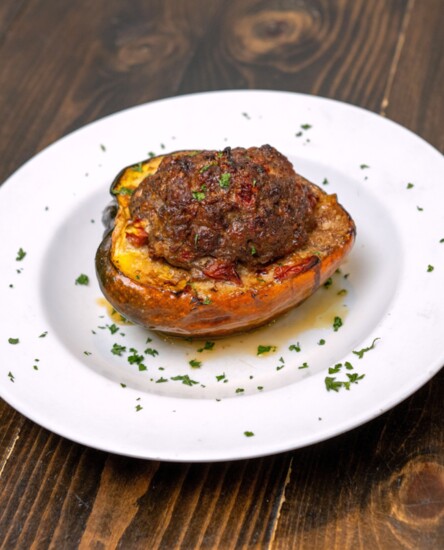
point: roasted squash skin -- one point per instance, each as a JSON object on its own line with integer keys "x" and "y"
{"x": 164, "y": 298}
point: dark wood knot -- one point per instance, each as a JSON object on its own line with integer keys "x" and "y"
{"x": 153, "y": 46}
{"x": 418, "y": 493}
{"x": 284, "y": 38}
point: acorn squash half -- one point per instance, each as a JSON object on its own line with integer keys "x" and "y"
{"x": 159, "y": 296}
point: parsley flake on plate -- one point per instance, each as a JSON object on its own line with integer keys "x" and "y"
{"x": 20, "y": 255}
{"x": 295, "y": 347}
{"x": 361, "y": 352}
{"x": 13, "y": 341}
{"x": 265, "y": 349}
{"x": 206, "y": 347}
{"x": 337, "y": 323}
{"x": 117, "y": 349}
{"x": 185, "y": 379}
{"x": 82, "y": 279}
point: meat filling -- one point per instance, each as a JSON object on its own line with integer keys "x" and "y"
{"x": 218, "y": 209}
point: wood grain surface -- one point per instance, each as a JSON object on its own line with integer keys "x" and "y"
{"x": 63, "y": 64}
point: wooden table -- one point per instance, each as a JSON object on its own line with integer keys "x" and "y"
{"x": 63, "y": 64}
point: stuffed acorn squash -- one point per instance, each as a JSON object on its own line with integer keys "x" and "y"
{"x": 208, "y": 243}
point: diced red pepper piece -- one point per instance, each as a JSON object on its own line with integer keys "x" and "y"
{"x": 285, "y": 271}
{"x": 222, "y": 271}
{"x": 136, "y": 234}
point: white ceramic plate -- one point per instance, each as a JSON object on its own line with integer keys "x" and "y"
{"x": 238, "y": 404}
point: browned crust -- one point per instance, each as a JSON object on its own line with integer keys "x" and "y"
{"x": 230, "y": 308}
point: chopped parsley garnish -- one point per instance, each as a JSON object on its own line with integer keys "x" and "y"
{"x": 86, "y": 353}
{"x": 151, "y": 351}
{"x": 141, "y": 367}
{"x": 206, "y": 167}
{"x": 206, "y": 346}
{"x": 328, "y": 283}
{"x": 195, "y": 364}
{"x": 325, "y": 181}
{"x": 419, "y": 208}
{"x": 122, "y": 385}
{"x": 82, "y": 279}
{"x": 14, "y": 341}
{"x": 224, "y": 180}
{"x": 240, "y": 390}
{"x": 342, "y": 292}
{"x": 410, "y": 185}
{"x": 198, "y": 195}
{"x": 113, "y": 328}
{"x": 321, "y": 342}
{"x": 337, "y": 323}
{"x": 299, "y": 134}
{"x": 139, "y": 407}
{"x": 253, "y": 250}
{"x": 161, "y": 380}
{"x": 185, "y": 379}
{"x": 102, "y": 147}
{"x": 206, "y": 301}
{"x": 124, "y": 190}
{"x": 135, "y": 357}
{"x": 331, "y": 384}
{"x": 354, "y": 377}
{"x": 20, "y": 255}
{"x": 361, "y": 352}
{"x": 117, "y": 349}
{"x": 364, "y": 166}
{"x": 151, "y": 154}
{"x": 430, "y": 268}
{"x": 248, "y": 434}
{"x": 11, "y": 376}
{"x": 44, "y": 334}
{"x": 303, "y": 366}
{"x": 220, "y": 377}
{"x": 306, "y": 126}
{"x": 137, "y": 167}
{"x": 441, "y": 240}
{"x": 294, "y": 347}
{"x": 335, "y": 369}
{"x": 265, "y": 349}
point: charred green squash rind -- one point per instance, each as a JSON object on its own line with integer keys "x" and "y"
{"x": 209, "y": 308}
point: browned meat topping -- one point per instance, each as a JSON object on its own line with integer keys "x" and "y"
{"x": 213, "y": 209}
